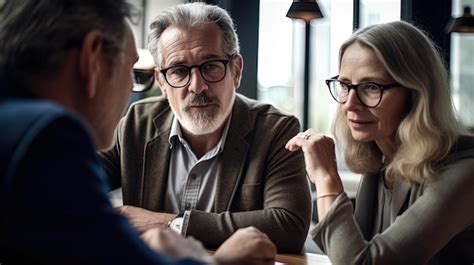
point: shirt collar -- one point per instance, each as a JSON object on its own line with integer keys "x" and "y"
{"x": 176, "y": 134}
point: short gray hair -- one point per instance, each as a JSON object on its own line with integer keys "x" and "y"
{"x": 192, "y": 15}
{"x": 35, "y": 34}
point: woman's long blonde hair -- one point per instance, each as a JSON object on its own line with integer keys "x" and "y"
{"x": 430, "y": 127}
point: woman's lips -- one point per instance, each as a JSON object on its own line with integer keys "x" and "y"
{"x": 360, "y": 123}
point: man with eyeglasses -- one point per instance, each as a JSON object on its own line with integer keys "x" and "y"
{"x": 202, "y": 158}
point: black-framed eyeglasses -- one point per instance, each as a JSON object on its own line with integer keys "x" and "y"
{"x": 369, "y": 93}
{"x": 143, "y": 79}
{"x": 212, "y": 71}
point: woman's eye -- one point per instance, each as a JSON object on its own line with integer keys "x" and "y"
{"x": 372, "y": 88}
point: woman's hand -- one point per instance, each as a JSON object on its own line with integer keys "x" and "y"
{"x": 321, "y": 167}
{"x": 319, "y": 154}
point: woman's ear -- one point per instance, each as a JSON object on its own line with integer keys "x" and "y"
{"x": 90, "y": 61}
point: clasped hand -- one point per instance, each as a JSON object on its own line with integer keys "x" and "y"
{"x": 245, "y": 246}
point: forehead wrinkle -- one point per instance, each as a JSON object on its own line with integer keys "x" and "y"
{"x": 360, "y": 64}
{"x": 185, "y": 46}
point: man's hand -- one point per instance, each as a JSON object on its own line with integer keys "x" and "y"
{"x": 246, "y": 246}
{"x": 174, "y": 245}
{"x": 143, "y": 219}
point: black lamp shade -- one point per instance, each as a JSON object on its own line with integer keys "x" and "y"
{"x": 304, "y": 9}
{"x": 461, "y": 24}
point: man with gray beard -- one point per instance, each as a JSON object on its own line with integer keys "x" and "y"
{"x": 202, "y": 159}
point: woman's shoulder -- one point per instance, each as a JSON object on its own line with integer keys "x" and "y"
{"x": 458, "y": 165}
{"x": 462, "y": 149}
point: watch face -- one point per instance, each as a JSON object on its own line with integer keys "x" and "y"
{"x": 176, "y": 224}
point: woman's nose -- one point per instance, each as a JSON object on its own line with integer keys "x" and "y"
{"x": 353, "y": 101}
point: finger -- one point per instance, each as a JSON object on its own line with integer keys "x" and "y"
{"x": 251, "y": 229}
{"x": 120, "y": 209}
{"x": 265, "y": 246}
{"x": 295, "y": 143}
{"x": 260, "y": 234}
{"x": 255, "y": 232}
{"x": 271, "y": 248}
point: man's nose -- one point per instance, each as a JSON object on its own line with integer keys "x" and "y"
{"x": 197, "y": 84}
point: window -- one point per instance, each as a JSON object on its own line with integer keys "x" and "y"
{"x": 281, "y": 59}
{"x": 275, "y": 53}
{"x": 281, "y": 53}
{"x": 378, "y": 11}
{"x": 149, "y": 9}
{"x": 462, "y": 67}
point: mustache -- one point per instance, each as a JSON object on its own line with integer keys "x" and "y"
{"x": 200, "y": 100}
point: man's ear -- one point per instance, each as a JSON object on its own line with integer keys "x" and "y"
{"x": 238, "y": 68}
{"x": 160, "y": 79}
{"x": 90, "y": 56}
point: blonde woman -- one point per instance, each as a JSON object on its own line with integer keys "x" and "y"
{"x": 398, "y": 128}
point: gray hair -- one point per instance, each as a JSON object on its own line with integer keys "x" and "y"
{"x": 430, "y": 127}
{"x": 35, "y": 34}
{"x": 192, "y": 15}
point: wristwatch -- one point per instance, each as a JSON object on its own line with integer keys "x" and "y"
{"x": 176, "y": 224}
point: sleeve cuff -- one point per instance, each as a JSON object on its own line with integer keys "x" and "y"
{"x": 316, "y": 231}
{"x": 184, "y": 226}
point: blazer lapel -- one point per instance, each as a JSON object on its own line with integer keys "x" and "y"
{"x": 366, "y": 203}
{"x": 156, "y": 163}
{"x": 233, "y": 157}
{"x": 400, "y": 193}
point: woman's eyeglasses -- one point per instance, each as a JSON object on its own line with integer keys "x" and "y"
{"x": 369, "y": 93}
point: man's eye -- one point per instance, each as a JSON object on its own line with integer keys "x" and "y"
{"x": 210, "y": 67}
{"x": 180, "y": 71}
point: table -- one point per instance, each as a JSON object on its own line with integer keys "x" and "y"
{"x": 302, "y": 259}
{"x": 298, "y": 259}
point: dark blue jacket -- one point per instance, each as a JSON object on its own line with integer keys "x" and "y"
{"x": 55, "y": 208}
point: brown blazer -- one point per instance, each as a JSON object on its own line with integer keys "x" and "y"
{"x": 260, "y": 183}
{"x": 432, "y": 222}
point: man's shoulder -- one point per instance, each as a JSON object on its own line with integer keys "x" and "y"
{"x": 262, "y": 118}
{"x": 462, "y": 152}
{"x": 149, "y": 107}
{"x": 33, "y": 115}
{"x": 26, "y": 123}
{"x": 261, "y": 108}
{"x": 29, "y": 107}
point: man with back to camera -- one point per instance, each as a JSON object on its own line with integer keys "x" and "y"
{"x": 202, "y": 158}
{"x": 65, "y": 77}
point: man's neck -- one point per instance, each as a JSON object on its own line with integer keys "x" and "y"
{"x": 201, "y": 144}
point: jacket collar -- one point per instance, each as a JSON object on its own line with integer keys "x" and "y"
{"x": 157, "y": 158}
{"x": 366, "y": 203}
{"x": 233, "y": 157}
{"x": 156, "y": 161}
